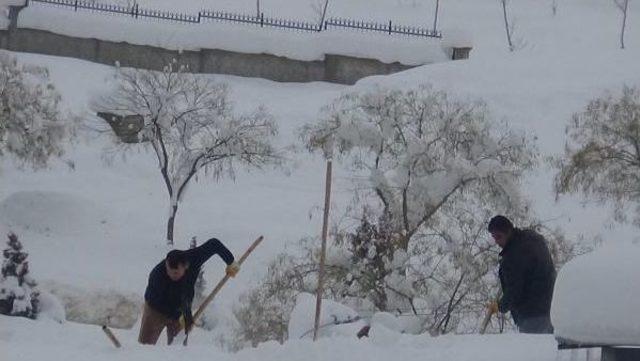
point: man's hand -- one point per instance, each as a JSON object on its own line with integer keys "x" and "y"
{"x": 186, "y": 323}
{"x": 493, "y": 308}
{"x": 233, "y": 269}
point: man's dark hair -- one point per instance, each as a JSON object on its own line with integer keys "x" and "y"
{"x": 500, "y": 224}
{"x": 177, "y": 257}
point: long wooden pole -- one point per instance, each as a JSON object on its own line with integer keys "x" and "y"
{"x": 323, "y": 249}
{"x": 486, "y": 321}
{"x": 224, "y": 280}
{"x": 217, "y": 289}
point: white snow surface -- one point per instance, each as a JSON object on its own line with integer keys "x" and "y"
{"x": 597, "y": 297}
{"x": 75, "y": 342}
{"x": 334, "y": 319}
{"x": 233, "y": 37}
{"x": 568, "y": 59}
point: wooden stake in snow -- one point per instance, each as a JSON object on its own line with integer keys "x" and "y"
{"x": 111, "y": 336}
{"x": 323, "y": 249}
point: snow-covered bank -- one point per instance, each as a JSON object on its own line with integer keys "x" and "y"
{"x": 306, "y": 46}
{"x": 74, "y": 342}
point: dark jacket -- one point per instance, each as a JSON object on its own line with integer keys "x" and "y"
{"x": 174, "y": 298}
{"x": 527, "y": 276}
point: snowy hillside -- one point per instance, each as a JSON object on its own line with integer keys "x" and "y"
{"x": 99, "y": 227}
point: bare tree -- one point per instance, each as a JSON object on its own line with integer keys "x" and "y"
{"x": 190, "y": 125}
{"x": 319, "y": 8}
{"x": 602, "y": 153}
{"x": 32, "y": 127}
{"x": 507, "y": 27}
{"x": 623, "y": 6}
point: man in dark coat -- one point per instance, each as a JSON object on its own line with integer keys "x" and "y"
{"x": 527, "y": 276}
{"x": 170, "y": 291}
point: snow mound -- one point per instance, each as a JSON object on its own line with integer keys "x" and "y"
{"x": 97, "y": 307}
{"x": 51, "y": 307}
{"x": 597, "y": 298}
{"x": 335, "y": 319}
{"x": 52, "y": 213}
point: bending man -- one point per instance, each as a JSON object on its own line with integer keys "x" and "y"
{"x": 170, "y": 291}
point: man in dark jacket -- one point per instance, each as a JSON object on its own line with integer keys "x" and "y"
{"x": 527, "y": 276}
{"x": 170, "y": 291}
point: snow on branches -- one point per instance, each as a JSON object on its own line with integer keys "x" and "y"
{"x": 602, "y": 153}
{"x": 419, "y": 148}
{"x": 191, "y": 126}
{"x": 32, "y": 128}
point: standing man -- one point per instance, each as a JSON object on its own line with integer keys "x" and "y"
{"x": 170, "y": 290}
{"x": 527, "y": 276}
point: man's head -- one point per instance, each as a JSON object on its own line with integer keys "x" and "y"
{"x": 176, "y": 264}
{"x": 501, "y": 229}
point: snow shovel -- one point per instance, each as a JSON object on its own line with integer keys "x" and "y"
{"x": 486, "y": 320}
{"x": 218, "y": 287}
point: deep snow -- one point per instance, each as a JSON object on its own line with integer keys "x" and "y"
{"x": 73, "y": 342}
{"x": 101, "y": 227}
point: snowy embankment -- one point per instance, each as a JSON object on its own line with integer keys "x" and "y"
{"x": 74, "y": 342}
{"x": 306, "y": 46}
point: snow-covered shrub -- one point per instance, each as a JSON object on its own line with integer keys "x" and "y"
{"x": 263, "y": 313}
{"x": 32, "y": 127}
{"x": 434, "y": 169}
{"x": 18, "y": 292}
{"x": 191, "y": 127}
{"x": 430, "y": 171}
{"x": 602, "y": 152}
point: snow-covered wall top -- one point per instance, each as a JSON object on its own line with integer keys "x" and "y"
{"x": 306, "y": 46}
{"x": 597, "y": 297}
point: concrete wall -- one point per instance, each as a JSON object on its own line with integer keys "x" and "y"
{"x": 334, "y": 68}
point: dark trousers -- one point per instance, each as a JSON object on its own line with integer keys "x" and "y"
{"x": 538, "y": 324}
{"x": 153, "y": 322}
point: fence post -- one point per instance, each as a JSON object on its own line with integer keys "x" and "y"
{"x": 261, "y": 20}
{"x": 389, "y": 27}
{"x": 325, "y": 24}
{"x": 199, "y": 16}
{"x": 137, "y": 10}
{"x": 75, "y": 6}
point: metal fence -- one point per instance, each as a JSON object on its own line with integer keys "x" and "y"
{"x": 347, "y": 24}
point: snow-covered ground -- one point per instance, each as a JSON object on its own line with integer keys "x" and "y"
{"x": 22, "y": 339}
{"x": 100, "y": 227}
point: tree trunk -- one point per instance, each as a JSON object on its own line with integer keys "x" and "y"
{"x": 170, "y": 223}
{"x": 506, "y": 24}
{"x": 435, "y": 19}
{"x": 624, "y": 23}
